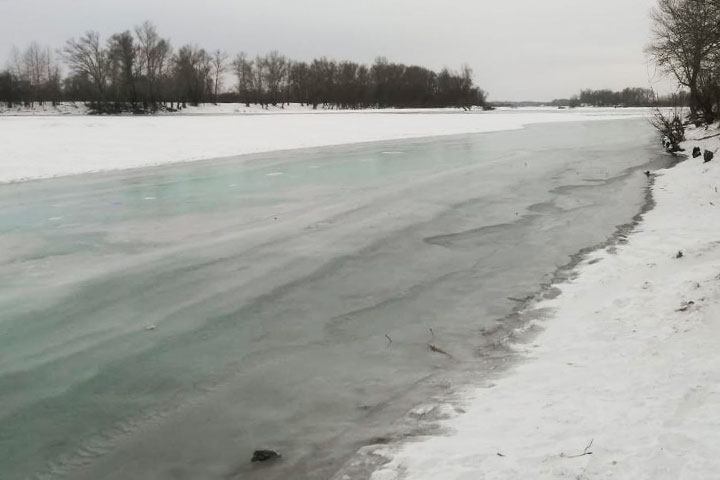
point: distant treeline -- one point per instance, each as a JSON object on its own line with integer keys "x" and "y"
{"x": 628, "y": 97}
{"x": 140, "y": 71}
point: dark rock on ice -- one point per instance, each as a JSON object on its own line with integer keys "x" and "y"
{"x": 264, "y": 456}
{"x": 696, "y": 152}
{"x": 708, "y": 155}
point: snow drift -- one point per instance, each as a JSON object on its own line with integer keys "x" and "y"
{"x": 47, "y": 146}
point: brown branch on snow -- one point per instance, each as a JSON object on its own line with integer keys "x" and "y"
{"x": 709, "y": 136}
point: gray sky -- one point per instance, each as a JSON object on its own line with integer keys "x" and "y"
{"x": 519, "y": 49}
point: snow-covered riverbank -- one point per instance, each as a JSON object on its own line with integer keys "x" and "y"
{"x": 48, "y": 146}
{"x": 623, "y": 380}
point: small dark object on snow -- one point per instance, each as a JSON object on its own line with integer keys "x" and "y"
{"x": 685, "y": 306}
{"x": 679, "y": 254}
{"x": 708, "y": 155}
{"x": 696, "y": 152}
{"x": 264, "y": 456}
{"x": 647, "y": 173}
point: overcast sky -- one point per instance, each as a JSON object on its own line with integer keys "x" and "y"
{"x": 519, "y": 49}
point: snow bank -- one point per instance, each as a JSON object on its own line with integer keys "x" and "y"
{"x": 47, "y": 146}
{"x": 62, "y": 108}
{"x": 80, "y": 108}
{"x": 629, "y": 361}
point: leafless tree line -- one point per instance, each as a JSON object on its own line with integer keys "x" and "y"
{"x": 627, "y": 97}
{"x": 140, "y": 71}
{"x": 274, "y": 79}
{"x": 39, "y": 72}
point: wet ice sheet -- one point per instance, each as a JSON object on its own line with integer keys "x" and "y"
{"x": 622, "y": 381}
{"x": 271, "y": 295}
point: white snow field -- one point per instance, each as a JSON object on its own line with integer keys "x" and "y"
{"x": 629, "y": 359}
{"x": 54, "y": 145}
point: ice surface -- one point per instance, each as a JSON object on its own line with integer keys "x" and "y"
{"x": 628, "y": 361}
{"x": 166, "y": 322}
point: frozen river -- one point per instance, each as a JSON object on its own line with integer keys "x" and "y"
{"x": 163, "y": 323}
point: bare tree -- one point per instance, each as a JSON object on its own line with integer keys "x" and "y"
{"x": 124, "y": 66}
{"x": 299, "y": 80}
{"x": 686, "y": 35}
{"x": 258, "y": 80}
{"x": 36, "y": 62}
{"x": 155, "y": 53}
{"x": 466, "y": 87}
{"x": 275, "y": 70}
{"x": 219, "y": 66}
{"x": 244, "y": 73}
{"x": 16, "y": 64}
{"x": 193, "y": 68}
{"x": 669, "y": 122}
{"x": 86, "y": 57}
{"x": 36, "y": 69}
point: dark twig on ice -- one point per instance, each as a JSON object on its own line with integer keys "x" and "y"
{"x": 585, "y": 452}
{"x": 389, "y": 339}
{"x": 435, "y": 349}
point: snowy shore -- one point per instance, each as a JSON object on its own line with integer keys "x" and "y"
{"x": 623, "y": 380}
{"x": 55, "y": 145}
